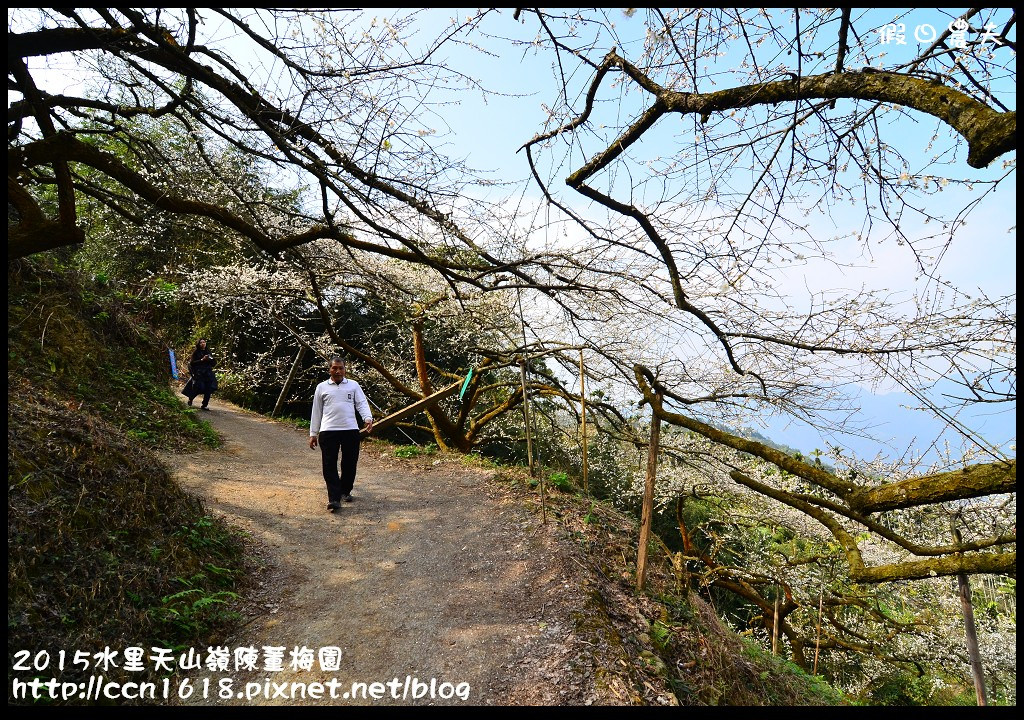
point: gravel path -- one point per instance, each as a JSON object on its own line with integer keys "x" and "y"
{"x": 436, "y": 572}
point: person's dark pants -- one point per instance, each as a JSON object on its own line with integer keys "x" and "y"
{"x": 332, "y": 444}
{"x": 203, "y": 383}
{"x": 206, "y": 398}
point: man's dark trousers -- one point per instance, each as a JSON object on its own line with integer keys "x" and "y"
{"x": 332, "y": 443}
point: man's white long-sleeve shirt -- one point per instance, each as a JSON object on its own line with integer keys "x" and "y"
{"x": 335, "y": 405}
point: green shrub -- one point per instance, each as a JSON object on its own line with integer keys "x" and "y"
{"x": 561, "y": 481}
{"x": 411, "y": 451}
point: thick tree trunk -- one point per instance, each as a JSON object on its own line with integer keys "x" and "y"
{"x": 446, "y": 432}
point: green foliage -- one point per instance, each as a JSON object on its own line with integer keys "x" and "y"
{"x": 299, "y": 422}
{"x": 685, "y": 643}
{"x": 237, "y": 388}
{"x": 476, "y": 459}
{"x": 204, "y": 533}
{"x": 194, "y": 424}
{"x": 661, "y": 634}
{"x": 93, "y": 345}
{"x": 778, "y": 675}
{"x": 411, "y": 451}
{"x": 607, "y": 475}
{"x": 163, "y": 292}
{"x": 170, "y": 244}
{"x": 99, "y": 535}
{"x": 148, "y": 263}
{"x": 196, "y": 611}
{"x": 561, "y": 481}
{"x": 903, "y": 687}
{"x": 996, "y": 598}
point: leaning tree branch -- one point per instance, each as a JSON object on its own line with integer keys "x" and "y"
{"x": 976, "y": 481}
{"x": 988, "y": 132}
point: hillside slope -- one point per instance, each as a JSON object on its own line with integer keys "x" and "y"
{"x": 104, "y": 549}
{"x": 440, "y": 570}
{"x": 445, "y": 571}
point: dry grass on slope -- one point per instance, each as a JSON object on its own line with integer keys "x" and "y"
{"x": 665, "y": 645}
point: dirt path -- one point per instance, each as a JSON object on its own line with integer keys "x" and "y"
{"x": 435, "y": 571}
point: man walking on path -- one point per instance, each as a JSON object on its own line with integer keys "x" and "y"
{"x": 334, "y": 427}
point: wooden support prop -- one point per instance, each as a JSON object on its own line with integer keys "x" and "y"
{"x": 971, "y": 632}
{"x": 817, "y": 640}
{"x": 416, "y": 407}
{"x": 775, "y": 624}
{"x": 583, "y": 419}
{"x": 288, "y": 381}
{"x": 647, "y": 514}
{"x": 526, "y": 421}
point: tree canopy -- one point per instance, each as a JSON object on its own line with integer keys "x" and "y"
{"x": 707, "y": 179}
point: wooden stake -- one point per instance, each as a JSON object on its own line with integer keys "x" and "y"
{"x": 817, "y": 640}
{"x": 526, "y": 415}
{"x": 288, "y": 381}
{"x": 529, "y": 442}
{"x": 583, "y": 416}
{"x": 417, "y": 407}
{"x": 647, "y": 514}
{"x": 967, "y": 605}
{"x": 775, "y": 629}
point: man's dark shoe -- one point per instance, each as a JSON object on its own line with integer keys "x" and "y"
{"x": 334, "y": 506}
{"x": 205, "y": 408}
{"x": 346, "y": 498}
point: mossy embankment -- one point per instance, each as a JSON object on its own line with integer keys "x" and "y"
{"x": 104, "y": 549}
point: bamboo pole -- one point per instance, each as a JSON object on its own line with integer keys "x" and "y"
{"x": 775, "y": 624}
{"x": 526, "y": 415}
{"x": 817, "y": 640}
{"x": 583, "y": 416}
{"x": 288, "y": 380}
{"x": 647, "y": 515}
{"x": 977, "y": 671}
{"x": 417, "y": 407}
{"x": 529, "y": 442}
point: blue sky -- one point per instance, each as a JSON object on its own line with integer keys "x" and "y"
{"x": 984, "y": 255}
{"x": 489, "y": 131}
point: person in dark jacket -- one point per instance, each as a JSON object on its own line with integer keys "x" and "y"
{"x": 203, "y": 381}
